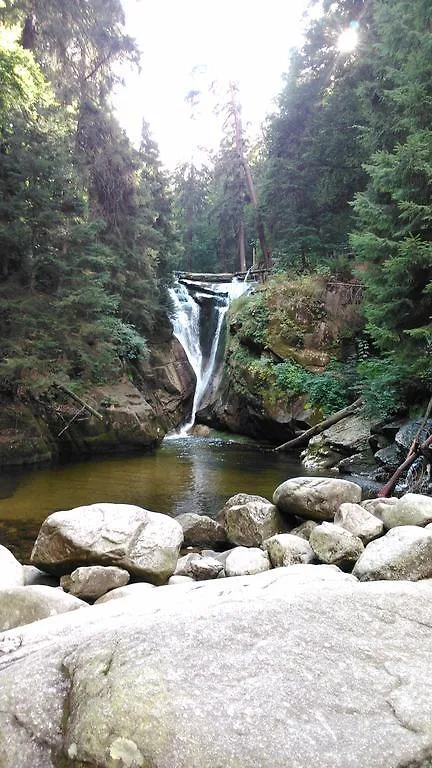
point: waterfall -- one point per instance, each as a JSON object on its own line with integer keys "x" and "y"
{"x": 192, "y": 313}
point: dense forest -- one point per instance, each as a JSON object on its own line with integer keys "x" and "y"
{"x": 86, "y": 239}
{"x": 91, "y": 228}
{"x": 344, "y": 175}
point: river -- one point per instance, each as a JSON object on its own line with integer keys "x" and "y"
{"x": 183, "y": 475}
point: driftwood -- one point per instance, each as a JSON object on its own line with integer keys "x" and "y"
{"x": 77, "y": 415}
{"x": 79, "y": 400}
{"x": 318, "y": 428}
{"x": 415, "y": 451}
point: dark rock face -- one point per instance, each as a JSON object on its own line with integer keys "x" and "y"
{"x": 168, "y": 383}
{"x": 244, "y": 415}
{"x": 136, "y": 416}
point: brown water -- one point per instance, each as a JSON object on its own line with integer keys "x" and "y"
{"x": 184, "y": 475}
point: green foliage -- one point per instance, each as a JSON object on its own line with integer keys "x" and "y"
{"x": 328, "y": 391}
{"x": 252, "y": 316}
{"x": 331, "y": 390}
{"x": 86, "y": 241}
{"x": 381, "y": 385}
{"x": 291, "y": 378}
{"x": 193, "y": 209}
{"x": 392, "y": 239}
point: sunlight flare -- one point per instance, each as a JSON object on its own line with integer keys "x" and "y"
{"x": 348, "y": 39}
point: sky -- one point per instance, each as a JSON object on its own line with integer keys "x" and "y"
{"x": 189, "y": 44}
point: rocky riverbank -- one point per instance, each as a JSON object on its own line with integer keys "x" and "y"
{"x": 134, "y": 415}
{"x": 307, "y": 618}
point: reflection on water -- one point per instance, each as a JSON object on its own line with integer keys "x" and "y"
{"x": 184, "y": 475}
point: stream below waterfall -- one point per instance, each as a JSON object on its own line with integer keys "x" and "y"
{"x": 184, "y": 475}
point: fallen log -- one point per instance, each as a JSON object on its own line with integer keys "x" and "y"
{"x": 323, "y": 425}
{"x": 79, "y": 400}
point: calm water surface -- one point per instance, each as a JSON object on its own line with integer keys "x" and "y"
{"x": 184, "y": 475}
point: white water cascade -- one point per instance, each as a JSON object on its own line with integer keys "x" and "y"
{"x": 187, "y": 320}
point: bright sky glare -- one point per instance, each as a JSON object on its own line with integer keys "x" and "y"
{"x": 348, "y": 40}
{"x": 188, "y": 44}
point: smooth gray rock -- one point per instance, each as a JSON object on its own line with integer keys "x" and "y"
{"x": 180, "y": 580}
{"x": 137, "y": 592}
{"x": 349, "y": 436}
{"x": 144, "y": 543}
{"x": 34, "y": 576}
{"x": 357, "y": 520}
{"x": 92, "y": 581}
{"x": 288, "y": 549}
{"x": 22, "y": 605}
{"x": 410, "y": 509}
{"x": 205, "y": 567}
{"x": 201, "y": 531}
{"x": 335, "y": 545}
{"x": 403, "y": 553}
{"x": 221, "y": 556}
{"x": 238, "y": 500}
{"x": 183, "y": 566}
{"x": 250, "y": 524}
{"x": 305, "y": 529}
{"x": 243, "y": 561}
{"x": 379, "y": 507}
{"x": 11, "y": 571}
{"x": 315, "y": 498}
{"x": 323, "y": 674}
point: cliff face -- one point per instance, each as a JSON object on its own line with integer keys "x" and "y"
{"x": 136, "y": 413}
{"x": 279, "y": 338}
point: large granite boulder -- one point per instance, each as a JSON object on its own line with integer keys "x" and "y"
{"x": 243, "y": 561}
{"x": 239, "y": 499}
{"x": 272, "y": 670}
{"x": 403, "y": 553}
{"x": 33, "y": 575}
{"x": 410, "y": 509}
{"x": 201, "y": 531}
{"x": 138, "y": 592}
{"x": 22, "y": 605}
{"x": 335, "y": 545}
{"x": 251, "y": 523}
{"x": 380, "y": 506}
{"x": 146, "y": 544}
{"x": 288, "y": 549}
{"x": 349, "y": 436}
{"x": 305, "y": 529}
{"x": 315, "y": 498}
{"x": 357, "y": 520}
{"x": 11, "y": 571}
{"x": 203, "y": 568}
{"x": 92, "y": 581}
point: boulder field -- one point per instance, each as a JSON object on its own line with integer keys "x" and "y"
{"x": 299, "y": 638}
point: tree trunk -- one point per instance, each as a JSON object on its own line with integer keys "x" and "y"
{"x": 242, "y": 247}
{"x": 414, "y": 452}
{"x": 266, "y": 254}
{"x": 318, "y": 428}
{"x": 82, "y": 402}
{"x": 28, "y": 37}
{"x": 410, "y": 459}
